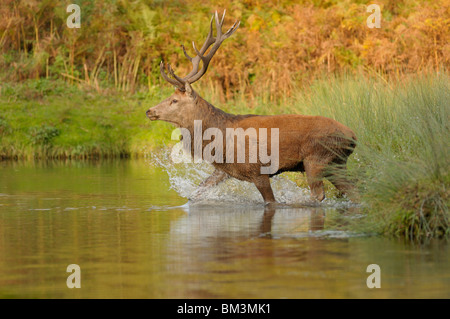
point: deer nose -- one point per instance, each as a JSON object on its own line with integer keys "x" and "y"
{"x": 151, "y": 115}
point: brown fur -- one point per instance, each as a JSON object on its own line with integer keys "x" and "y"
{"x": 310, "y": 144}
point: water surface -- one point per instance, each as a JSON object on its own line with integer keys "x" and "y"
{"x": 135, "y": 237}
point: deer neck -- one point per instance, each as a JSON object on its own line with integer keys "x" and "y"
{"x": 210, "y": 116}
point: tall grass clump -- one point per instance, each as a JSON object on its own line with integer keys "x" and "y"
{"x": 402, "y": 160}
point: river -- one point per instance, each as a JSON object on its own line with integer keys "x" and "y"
{"x": 133, "y": 233}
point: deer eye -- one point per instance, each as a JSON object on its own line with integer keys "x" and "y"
{"x": 174, "y": 101}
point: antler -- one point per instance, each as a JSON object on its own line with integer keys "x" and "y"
{"x": 195, "y": 74}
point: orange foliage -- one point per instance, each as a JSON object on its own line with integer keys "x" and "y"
{"x": 280, "y": 44}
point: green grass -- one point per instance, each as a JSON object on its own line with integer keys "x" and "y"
{"x": 42, "y": 119}
{"x": 401, "y": 164}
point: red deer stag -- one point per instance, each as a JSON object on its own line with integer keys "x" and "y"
{"x": 310, "y": 144}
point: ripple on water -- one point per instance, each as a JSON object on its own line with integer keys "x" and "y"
{"x": 323, "y": 234}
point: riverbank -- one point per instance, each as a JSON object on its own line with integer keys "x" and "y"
{"x": 401, "y": 164}
{"x": 49, "y": 119}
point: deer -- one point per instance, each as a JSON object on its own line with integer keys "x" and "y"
{"x": 315, "y": 145}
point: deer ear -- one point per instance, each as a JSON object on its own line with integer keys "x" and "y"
{"x": 188, "y": 89}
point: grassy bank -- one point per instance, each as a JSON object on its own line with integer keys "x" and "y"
{"x": 42, "y": 118}
{"x": 401, "y": 163}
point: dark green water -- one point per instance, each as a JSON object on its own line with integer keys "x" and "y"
{"x": 133, "y": 237}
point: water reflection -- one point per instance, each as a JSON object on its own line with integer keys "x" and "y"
{"x": 226, "y": 220}
{"x": 123, "y": 225}
{"x": 237, "y": 221}
{"x": 251, "y": 252}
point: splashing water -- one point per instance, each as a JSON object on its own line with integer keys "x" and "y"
{"x": 185, "y": 177}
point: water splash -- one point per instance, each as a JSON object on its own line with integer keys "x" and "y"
{"x": 185, "y": 177}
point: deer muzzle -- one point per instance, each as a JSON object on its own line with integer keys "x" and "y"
{"x": 152, "y": 115}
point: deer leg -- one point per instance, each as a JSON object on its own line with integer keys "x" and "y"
{"x": 214, "y": 179}
{"x": 262, "y": 183}
{"x": 314, "y": 175}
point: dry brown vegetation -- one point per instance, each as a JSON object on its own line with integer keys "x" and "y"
{"x": 280, "y": 44}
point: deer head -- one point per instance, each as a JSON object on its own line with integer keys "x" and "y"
{"x": 181, "y": 108}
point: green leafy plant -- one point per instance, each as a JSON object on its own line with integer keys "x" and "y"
{"x": 43, "y": 135}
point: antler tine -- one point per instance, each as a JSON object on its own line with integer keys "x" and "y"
{"x": 175, "y": 76}
{"x": 199, "y": 55}
{"x": 223, "y": 17}
{"x": 219, "y": 24}
{"x": 210, "y": 36}
{"x": 185, "y": 53}
{"x": 233, "y": 28}
{"x": 195, "y": 49}
{"x": 168, "y": 79}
